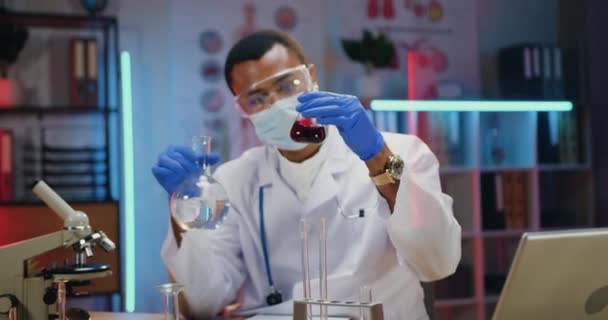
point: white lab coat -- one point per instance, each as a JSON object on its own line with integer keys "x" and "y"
{"x": 420, "y": 241}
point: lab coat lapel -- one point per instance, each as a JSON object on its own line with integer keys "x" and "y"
{"x": 277, "y": 194}
{"x": 270, "y": 178}
{"x": 326, "y": 187}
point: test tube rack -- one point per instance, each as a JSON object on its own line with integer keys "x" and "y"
{"x": 300, "y": 308}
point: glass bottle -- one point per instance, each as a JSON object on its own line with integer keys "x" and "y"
{"x": 200, "y": 201}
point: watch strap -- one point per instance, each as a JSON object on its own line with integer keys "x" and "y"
{"x": 383, "y": 179}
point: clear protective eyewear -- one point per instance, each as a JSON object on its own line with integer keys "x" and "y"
{"x": 284, "y": 84}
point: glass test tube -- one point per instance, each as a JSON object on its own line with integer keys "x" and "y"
{"x": 61, "y": 299}
{"x": 170, "y": 293}
{"x": 365, "y": 297}
{"x": 305, "y": 263}
{"x": 12, "y": 313}
{"x": 323, "y": 267}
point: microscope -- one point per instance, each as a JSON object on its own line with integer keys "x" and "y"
{"x": 40, "y": 295}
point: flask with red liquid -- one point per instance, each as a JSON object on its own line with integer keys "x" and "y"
{"x": 307, "y": 130}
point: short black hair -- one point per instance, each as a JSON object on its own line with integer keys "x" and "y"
{"x": 254, "y": 45}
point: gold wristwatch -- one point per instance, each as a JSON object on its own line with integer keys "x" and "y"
{"x": 392, "y": 171}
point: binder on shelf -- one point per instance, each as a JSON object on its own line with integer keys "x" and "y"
{"x": 548, "y": 122}
{"x": 559, "y": 88}
{"x": 6, "y": 165}
{"x": 516, "y": 202}
{"x": 568, "y": 134}
{"x": 454, "y": 138}
{"x": 504, "y": 200}
{"x": 438, "y": 137}
{"x": 84, "y": 72}
{"x": 508, "y": 189}
{"x": 381, "y": 120}
{"x": 402, "y": 122}
{"x": 78, "y": 59}
{"x": 492, "y": 201}
{"x": 392, "y": 121}
{"x": 91, "y": 74}
{"x": 520, "y": 201}
{"x": 520, "y": 72}
{"x": 519, "y": 67}
{"x": 77, "y": 72}
{"x": 376, "y": 119}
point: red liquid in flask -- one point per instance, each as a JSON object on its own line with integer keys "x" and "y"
{"x": 305, "y": 131}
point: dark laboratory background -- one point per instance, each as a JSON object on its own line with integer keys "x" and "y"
{"x": 74, "y": 114}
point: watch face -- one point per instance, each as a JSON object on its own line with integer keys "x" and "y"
{"x": 396, "y": 167}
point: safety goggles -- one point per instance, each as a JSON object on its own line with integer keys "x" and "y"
{"x": 284, "y": 84}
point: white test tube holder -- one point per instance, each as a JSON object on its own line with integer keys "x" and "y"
{"x": 300, "y": 308}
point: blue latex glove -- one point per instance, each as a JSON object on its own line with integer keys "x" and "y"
{"x": 178, "y": 163}
{"x": 348, "y": 115}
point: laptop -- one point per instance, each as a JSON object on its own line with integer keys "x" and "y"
{"x": 557, "y": 275}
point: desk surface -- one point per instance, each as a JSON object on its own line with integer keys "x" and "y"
{"x": 126, "y": 316}
{"x": 131, "y": 316}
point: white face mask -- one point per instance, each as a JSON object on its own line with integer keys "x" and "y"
{"x": 273, "y": 125}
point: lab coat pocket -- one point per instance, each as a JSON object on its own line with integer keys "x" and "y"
{"x": 369, "y": 205}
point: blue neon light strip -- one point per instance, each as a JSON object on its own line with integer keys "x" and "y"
{"x": 129, "y": 185}
{"x": 458, "y": 105}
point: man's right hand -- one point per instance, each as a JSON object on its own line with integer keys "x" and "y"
{"x": 176, "y": 164}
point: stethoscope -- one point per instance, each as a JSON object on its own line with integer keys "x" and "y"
{"x": 275, "y": 296}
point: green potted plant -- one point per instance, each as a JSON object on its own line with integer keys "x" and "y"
{"x": 372, "y": 52}
{"x": 12, "y": 38}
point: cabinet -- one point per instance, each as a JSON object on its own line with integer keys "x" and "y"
{"x": 489, "y": 165}
{"x": 65, "y": 129}
{"x": 504, "y": 177}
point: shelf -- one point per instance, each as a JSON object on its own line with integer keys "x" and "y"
{"x": 442, "y": 303}
{"x": 65, "y": 173}
{"x": 65, "y": 186}
{"x": 567, "y": 228}
{"x": 72, "y": 161}
{"x": 40, "y": 203}
{"x": 504, "y": 233}
{"x": 447, "y": 170}
{"x": 504, "y": 168}
{"x": 541, "y": 167}
{"x": 497, "y": 233}
{"x": 63, "y": 110}
{"x": 460, "y": 309}
{"x": 58, "y": 20}
{"x": 73, "y": 149}
{"x": 564, "y": 167}
{"x": 469, "y": 234}
{"x": 53, "y": 114}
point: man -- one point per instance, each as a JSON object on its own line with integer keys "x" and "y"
{"x": 406, "y": 232}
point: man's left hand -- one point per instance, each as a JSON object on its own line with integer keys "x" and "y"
{"x": 348, "y": 115}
